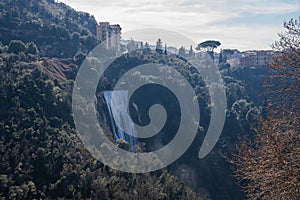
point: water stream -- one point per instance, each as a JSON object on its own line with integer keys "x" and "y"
{"x": 117, "y": 110}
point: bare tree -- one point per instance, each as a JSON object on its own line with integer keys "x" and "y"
{"x": 283, "y": 86}
{"x": 268, "y": 164}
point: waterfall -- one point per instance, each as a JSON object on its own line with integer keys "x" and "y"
{"x": 118, "y": 106}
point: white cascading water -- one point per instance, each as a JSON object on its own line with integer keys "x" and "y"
{"x": 120, "y": 116}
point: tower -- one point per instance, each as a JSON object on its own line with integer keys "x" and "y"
{"x": 111, "y": 34}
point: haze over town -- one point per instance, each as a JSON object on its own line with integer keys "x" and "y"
{"x": 250, "y": 24}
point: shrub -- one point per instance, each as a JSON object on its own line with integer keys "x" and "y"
{"x": 16, "y": 46}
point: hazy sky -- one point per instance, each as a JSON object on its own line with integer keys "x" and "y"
{"x": 242, "y": 24}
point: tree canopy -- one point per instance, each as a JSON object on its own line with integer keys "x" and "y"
{"x": 16, "y": 46}
{"x": 267, "y": 165}
{"x": 208, "y": 45}
{"x": 159, "y": 47}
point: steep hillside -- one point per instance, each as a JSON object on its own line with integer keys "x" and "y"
{"x": 42, "y": 44}
{"x": 57, "y": 29}
{"x": 41, "y": 156}
{"x": 243, "y": 108}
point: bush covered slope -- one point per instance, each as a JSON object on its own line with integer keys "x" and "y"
{"x": 42, "y": 46}
{"x": 57, "y": 29}
{"x": 41, "y": 155}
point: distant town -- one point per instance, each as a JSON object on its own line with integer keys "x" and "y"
{"x": 111, "y": 34}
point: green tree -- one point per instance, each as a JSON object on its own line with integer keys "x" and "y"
{"x": 147, "y": 48}
{"x": 208, "y": 46}
{"x": 181, "y": 51}
{"x": 16, "y": 46}
{"x": 159, "y": 47}
{"x": 75, "y": 38}
{"x": 191, "y": 51}
{"x": 79, "y": 58}
{"x": 166, "y": 49}
{"x": 31, "y": 48}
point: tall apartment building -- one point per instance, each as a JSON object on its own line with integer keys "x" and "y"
{"x": 111, "y": 34}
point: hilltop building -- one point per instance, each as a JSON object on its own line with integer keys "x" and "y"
{"x": 253, "y": 58}
{"x": 232, "y": 56}
{"x": 111, "y": 34}
{"x": 256, "y": 58}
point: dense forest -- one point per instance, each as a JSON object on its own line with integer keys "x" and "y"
{"x": 57, "y": 29}
{"x": 42, "y": 45}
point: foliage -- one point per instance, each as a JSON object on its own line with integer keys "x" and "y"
{"x": 244, "y": 108}
{"x": 286, "y": 68}
{"x": 208, "y": 45}
{"x": 51, "y": 106}
{"x": 267, "y": 165}
{"x": 41, "y": 156}
{"x": 79, "y": 58}
{"x": 147, "y": 48}
{"x": 159, "y": 47}
{"x": 53, "y": 27}
{"x": 32, "y": 48}
{"x": 182, "y": 52}
{"x": 16, "y": 46}
{"x": 191, "y": 51}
